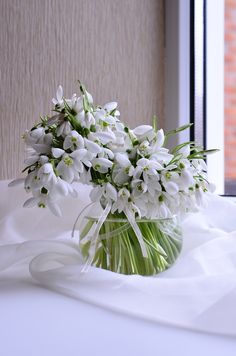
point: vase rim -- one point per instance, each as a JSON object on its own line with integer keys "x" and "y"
{"x": 117, "y": 219}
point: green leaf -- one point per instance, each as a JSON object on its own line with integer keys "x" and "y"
{"x": 179, "y": 129}
{"x": 154, "y": 122}
{"x": 178, "y": 147}
{"x": 176, "y": 158}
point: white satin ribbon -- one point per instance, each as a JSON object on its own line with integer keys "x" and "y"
{"x": 131, "y": 219}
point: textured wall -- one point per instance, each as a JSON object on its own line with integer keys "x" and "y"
{"x": 116, "y": 47}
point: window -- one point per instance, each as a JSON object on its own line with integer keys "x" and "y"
{"x": 195, "y": 76}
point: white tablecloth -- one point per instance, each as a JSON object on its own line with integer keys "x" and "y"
{"x": 37, "y": 321}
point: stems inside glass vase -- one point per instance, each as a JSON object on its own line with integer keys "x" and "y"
{"x": 118, "y": 249}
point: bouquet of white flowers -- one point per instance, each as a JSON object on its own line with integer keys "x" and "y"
{"x": 141, "y": 185}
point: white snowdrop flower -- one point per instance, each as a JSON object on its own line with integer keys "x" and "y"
{"x": 106, "y": 153}
{"x": 149, "y": 166}
{"x": 33, "y": 136}
{"x": 71, "y": 102}
{"x": 171, "y": 188}
{"x": 89, "y": 120}
{"x": 86, "y": 177}
{"x": 57, "y": 152}
{"x": 199, "y": 195}
{"x": 144, "y": 148}
{"x": 47, "y": 175}
{"x": 64, "y": 129}
{"x": 93, "y": 147}
{"x": 43, "y": 159}
{"x": 71, "y": 165}
{"x": 122, "y": 201}
{"x": 144, "y": 132}
{"x": 123, "y": 169}
{"x": 153, "y": 185}
{"x": 73, "y": 141}
{"x": 185, "y": 179}
{"x": 146, "y": 168}
{"x": 89, "y": 97}
{"x": 199, "y": 165}
{"x": 164, "y": 211}
{"x": 78, "y": 104}
{"x": 31, "y": 181}
{"x": 170, "y": 181}
{"x": 32, "y": 157}
{"x": 101, "y": 165}
{"x": 109, "y": 107}
{"x": 43, "y": 201}
{"x": 43, "y": 146}
{"x": 107, "y": 191}
{"x": 159, "y": 139}
{"x": 139, "y": 187}
{"x": 85, "y": 119}
{"x": 99, "y": 115}
{"x": 59, "y": 97}
{"x": 123, "y": 160}
{"x": 104, "y": 118}
{"x": 105, "y": 136}
{"x": 162, "y": 156}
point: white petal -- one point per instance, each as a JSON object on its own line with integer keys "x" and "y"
{"x": 68, "y": 175}
{"x": 142, "y": 130}
{"x": 67, "y": 142}
{"x": 37, "y": 133}
{"x": 16, "y": 182}
{"x": 111, "y": 191}
{"x": 110, "y": 106}
{"x": 67, "y": 128}
{"x": 54, "y": 209}
{"x": 78, "y": 154}
{"x": 29, "y": 203}
{"x": 57, "y": 152}
{"x": 60, "y": 130}
{"x": 171, "y": 188}
{"x": 160, "y": 138}
{"x": 92, "y": 146}
{"x": 59, "y": 94}
{"x": 90, "y": 98}
{"x": 105, "y": 137}
{"x": 103, "y": 162}
{"x": 41, "y": 148}
{"x": 108, "y": 153}
{"x": 31, "y": 160}
{"x": 61, "y": 187}
{"x": 121, "y": 177}
{"x": 47, "y": 168}
{"x": 123, "y": 160}
{"x": 79, "y": 104}
{"x": 186, "y": 178}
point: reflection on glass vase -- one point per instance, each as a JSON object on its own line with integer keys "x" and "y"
{"x": 117, "y": 248}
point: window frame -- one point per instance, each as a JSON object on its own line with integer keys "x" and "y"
{"x": 194, "y": 58}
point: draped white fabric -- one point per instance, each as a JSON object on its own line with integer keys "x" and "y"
{"x": 198, "y": 292}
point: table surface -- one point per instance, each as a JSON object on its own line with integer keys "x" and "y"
{"x": 36, "y": 321}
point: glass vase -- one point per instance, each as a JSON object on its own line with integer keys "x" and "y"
{"x": 118, "y": 248}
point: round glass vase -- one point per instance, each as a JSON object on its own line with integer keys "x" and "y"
{"x": 118, "y": 248}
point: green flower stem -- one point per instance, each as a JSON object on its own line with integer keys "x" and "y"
{"x": 118, "y": 248}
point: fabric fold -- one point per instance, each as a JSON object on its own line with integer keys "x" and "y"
{"x": 198, "y": 292}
